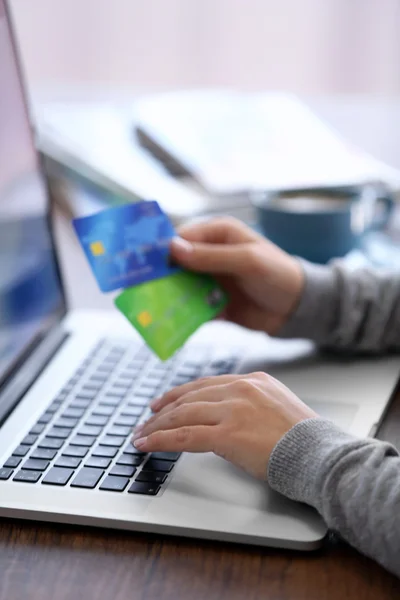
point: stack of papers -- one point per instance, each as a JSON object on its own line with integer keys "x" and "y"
{"x": 229, "y": 144}
{"x": 233, "y": 142}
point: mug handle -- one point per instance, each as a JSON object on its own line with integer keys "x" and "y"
{"x": 385, "y": 197}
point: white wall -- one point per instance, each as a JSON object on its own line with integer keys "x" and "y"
{"x": 308, "y": 46}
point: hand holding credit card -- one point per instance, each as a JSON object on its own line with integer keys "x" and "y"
{"x": 128, "y": 248}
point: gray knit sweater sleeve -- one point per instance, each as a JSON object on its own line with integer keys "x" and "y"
{"x": 354, "y": 484}
{"x": 344, "y": 309}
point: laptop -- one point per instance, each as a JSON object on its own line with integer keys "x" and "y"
{"x": 74, "y": 384}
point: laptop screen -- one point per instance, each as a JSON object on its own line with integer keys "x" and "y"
{"x": 31, "y": 297}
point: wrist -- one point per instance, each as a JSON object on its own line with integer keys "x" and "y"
{"x": 293, "y": 286}
{"x": 300, "y": 460}
{"x": 312, "y": 315}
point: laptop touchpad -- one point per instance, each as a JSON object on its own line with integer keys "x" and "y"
{"x": 341, "y": 414}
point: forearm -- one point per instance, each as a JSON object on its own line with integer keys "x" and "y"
{"x": 354, "y": 484}
{"x": 355, "y": 310}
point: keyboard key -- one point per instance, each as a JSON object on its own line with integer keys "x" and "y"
{"x": 98, "y": 377}
{"x": 97, "y": 420}
{"x": 28, "y": 476}
{"x": 12, "y": 462}
{"x": 130, "y": 449}
{"x": 59, "y": 433}
{"x": 37, "y": 429}
{"x": 158, "y": 372}
{"x": 118, "y": 350}
{"x": 79, "y": 451}
{"x": 51, "y": 443}
{"x": 45, "y": 418}
{"x": 120, "y": 431}
{"x": 135, "y": 365}
{"x": 146, "y": 392}
{"x": 59, "y": 400}
{"x": 187, "y": 371}
{"x": 122, "y": 346}
{"x": 128, "y": 376}
{"x": 151, "y": 477}
{"x": 66, "y": 422}
{"x": 91, "y": 430}
{"x": 85, "y": 395}
{"x": 123, "y": 471}
{"x": 112, "y": 357}
{"x": 121, "y": 385}
{"x": 108, "y": 365}
{"x": 54, "y": 406}
{"x": 115, "y": 394}
{"x": 110, "y": 401}
{"x": 35, "y": 464}
{"x": 148, "y": 489}
{"x": 104, "y": 369}
{"x": 68, "y": 462}
{"x": 98, "y": 462}
{"x": 161, "y": 367}
{"x": 132, "y": 411}
{"x": 114, "y": 484}
{"x": 137, "y": 401}
{"x": 73, "y": 413}
{"x": 29, "y": 440}
{"x": 44, "y": 454}
{"x": 58, "y": 476}
{"x": 130, "y": 459}
{"x": 113, "y": 441}
{"x": 80, "y": 403}
{"x": 126, "y": 421}
{"x": 5, "y": 473}
{"x": 149, "y": 384}
{"x": 21, "y": 451}
{"x": 83, "y": 440}
{"x": 104, "y": 411}
{"x": 165, "y": 455}
{"x": 92, "y": 386}
{"x": 87, "y": 478}
{"x": 164, "y": 466}
{"x": 105, "y": 451}
{"x": 142, "y": 354}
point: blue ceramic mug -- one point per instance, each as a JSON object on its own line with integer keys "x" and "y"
{"x": 319, "y": 225}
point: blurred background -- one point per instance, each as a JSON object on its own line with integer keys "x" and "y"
{"x": 95, "y": 68}
{"x": 308, "y": 47}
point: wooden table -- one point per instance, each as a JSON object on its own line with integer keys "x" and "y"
{"x": 56, "y": 562}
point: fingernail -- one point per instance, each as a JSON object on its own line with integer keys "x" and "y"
{"x": 140, "y": 443}
{"x": 181, "y": 245}
{"x": 154, "y": 404}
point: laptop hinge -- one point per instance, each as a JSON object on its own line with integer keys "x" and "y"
{"x": 28, "y": 370}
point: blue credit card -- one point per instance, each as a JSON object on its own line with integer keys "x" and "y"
{"x": 127, "y": 245}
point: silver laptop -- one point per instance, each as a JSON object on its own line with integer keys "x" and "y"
{"x": 74, "y": 384}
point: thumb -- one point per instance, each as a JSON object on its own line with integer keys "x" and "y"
{"x": 209, "y": 258}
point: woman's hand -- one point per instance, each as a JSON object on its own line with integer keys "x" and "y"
{"x": 263, "y": 282}
{"x": 238, "y": 417}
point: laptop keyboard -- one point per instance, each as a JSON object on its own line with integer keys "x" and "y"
{"x": 83, "y": 438}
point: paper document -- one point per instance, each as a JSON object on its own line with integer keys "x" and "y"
{"x": 233, "y": 142}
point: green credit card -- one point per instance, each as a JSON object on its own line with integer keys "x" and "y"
{"x": 167, "y": 311}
